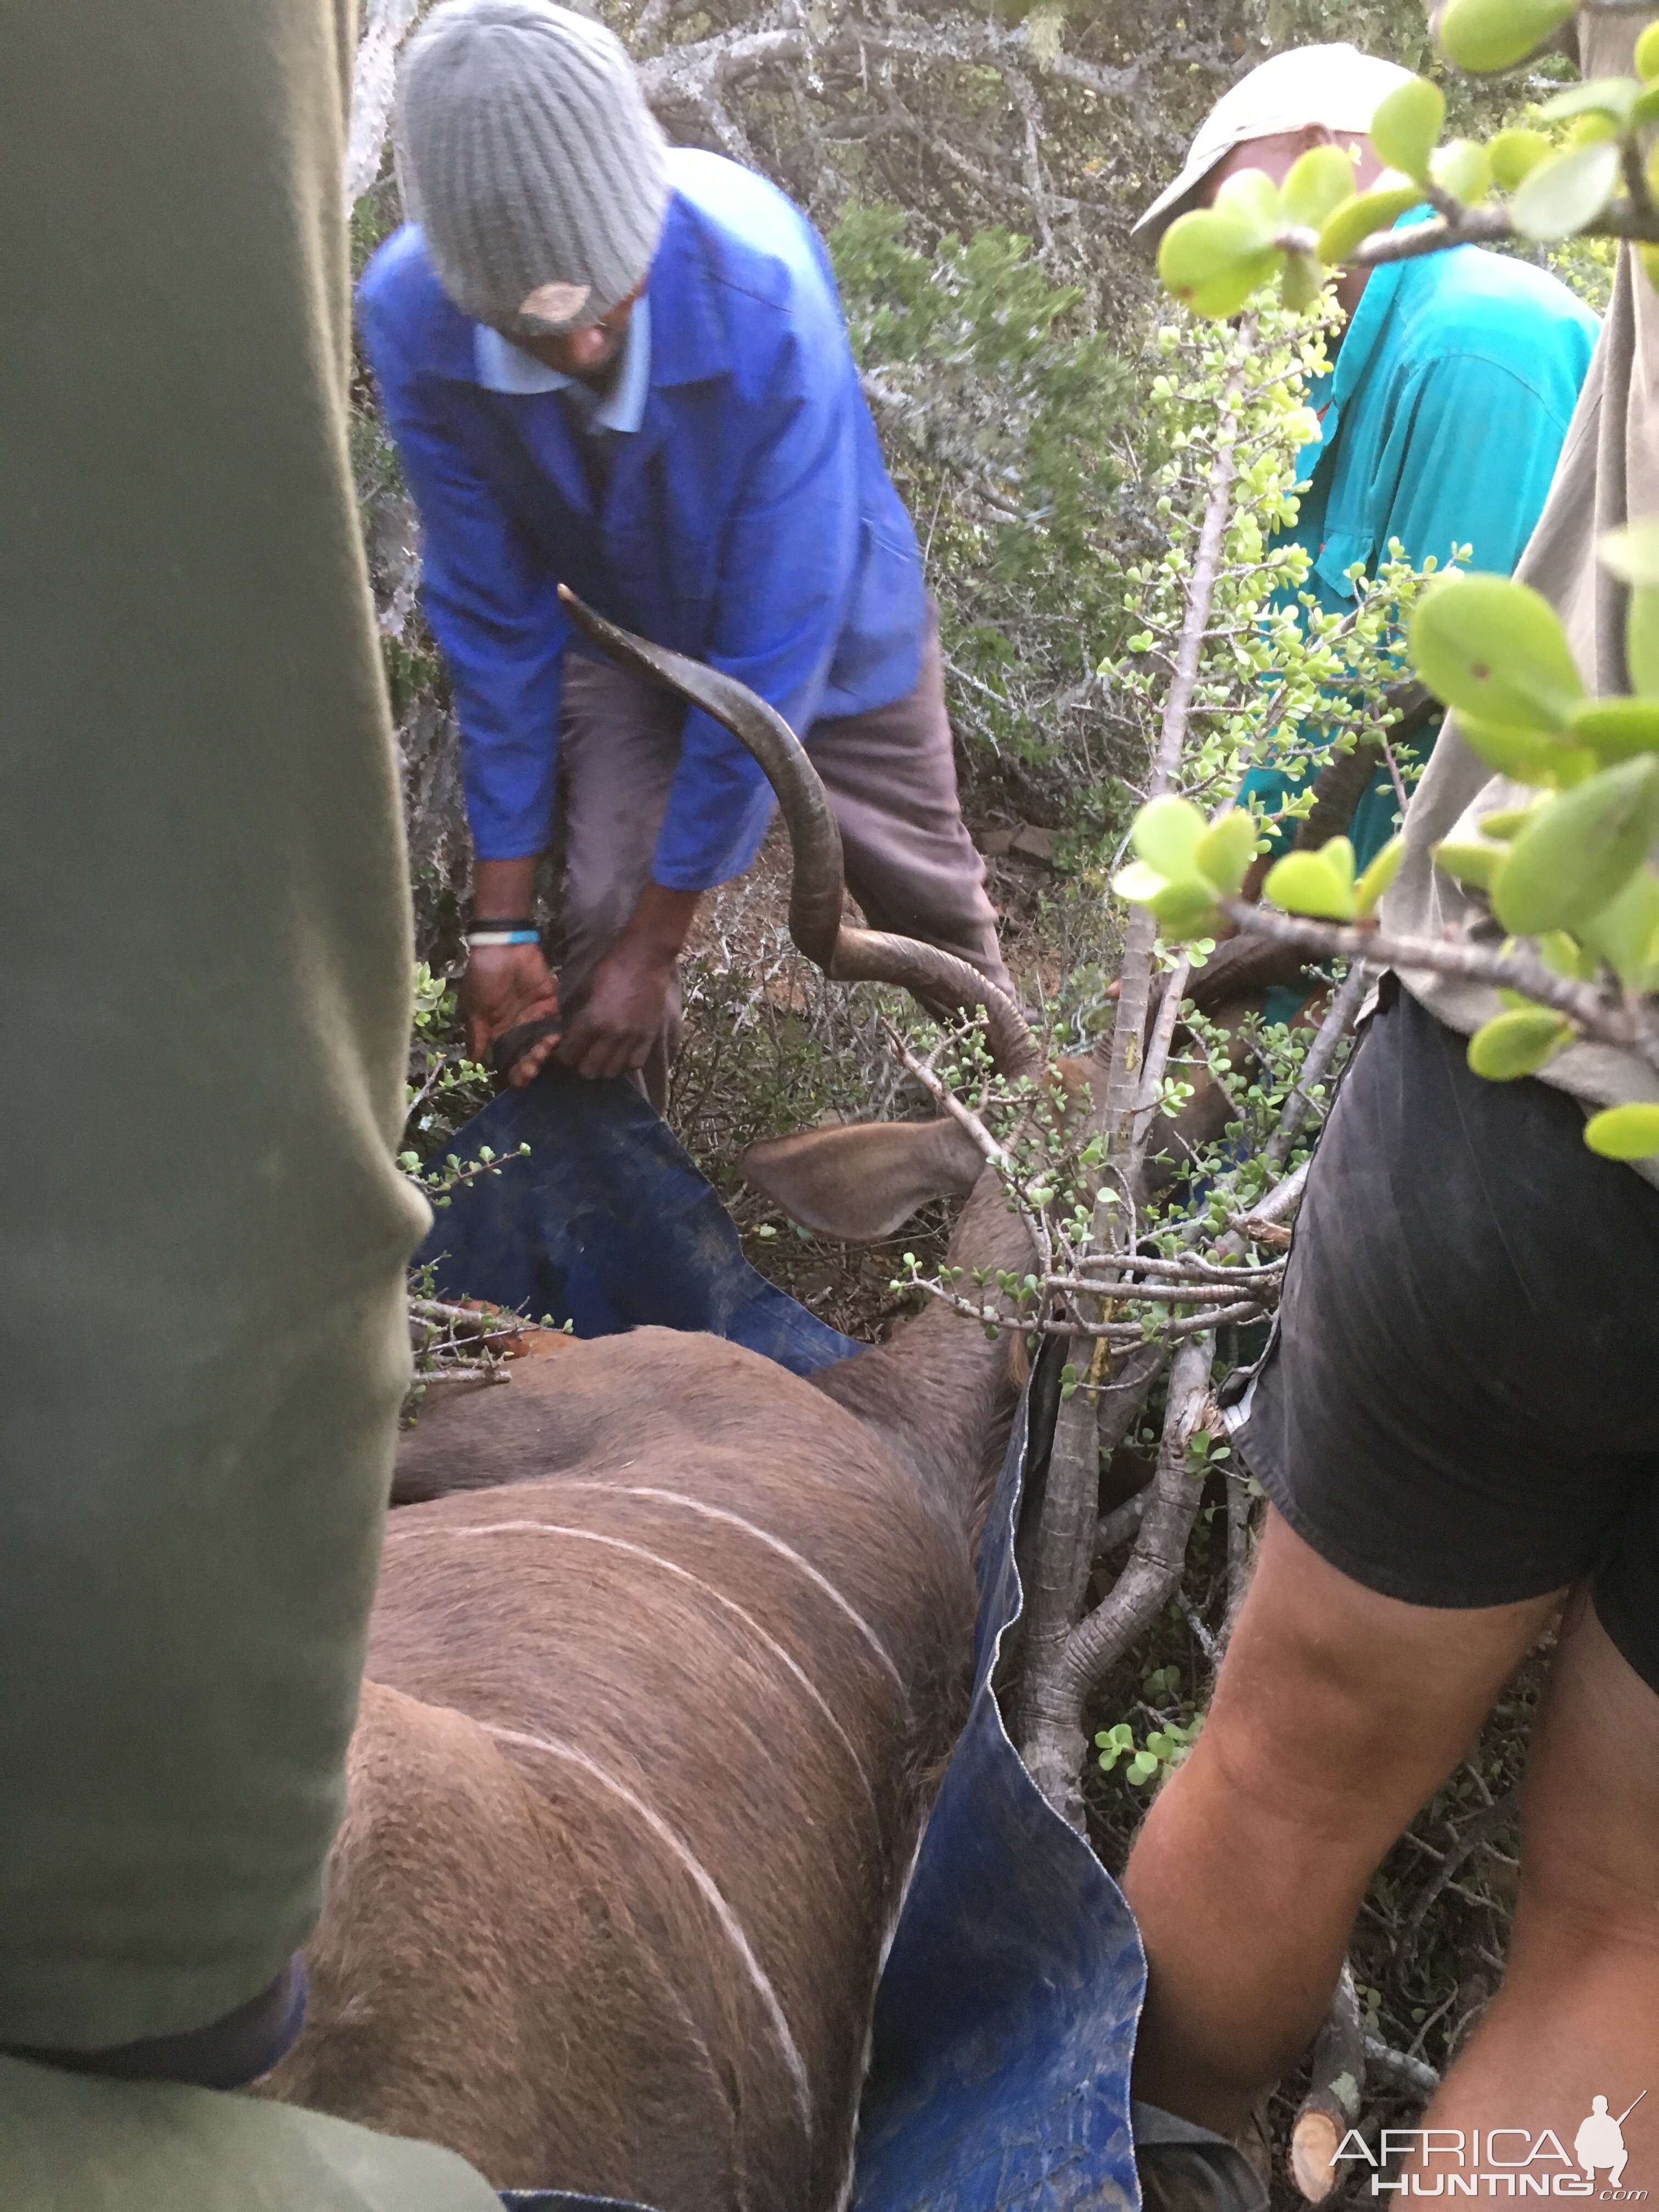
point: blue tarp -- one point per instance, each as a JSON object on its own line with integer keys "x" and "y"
{"x": 1005, "y": 2020}
{"x": 608, "y": 1225}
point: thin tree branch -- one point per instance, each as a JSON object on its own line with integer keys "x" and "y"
{"x": 1626, "y": 1025}
{"x": 1340, "y": 1016}
{"x": 1155, "y": 1565}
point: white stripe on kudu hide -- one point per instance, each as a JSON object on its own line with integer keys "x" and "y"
{"x": 555, "y": 1748}
{"x": 685, "y": 1575}
{"x": 762, "y": 1536}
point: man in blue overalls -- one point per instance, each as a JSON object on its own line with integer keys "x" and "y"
{"x": 622, "y": 366}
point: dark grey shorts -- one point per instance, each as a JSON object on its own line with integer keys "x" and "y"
{"x": 1460, "y": 1406}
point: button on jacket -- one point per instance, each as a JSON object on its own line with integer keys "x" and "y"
{"x": 743, "y": 514}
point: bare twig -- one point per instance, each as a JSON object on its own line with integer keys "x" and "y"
{"x": 385, "y": 25}
{"x": 1332, "y": 2103}
{"x": 1398, "y": 2067}
{"x": 1155, "y": 1565}
{"x": 1128, "y": 1029}
{"x": 1201, "y": 1633}
{"x": 1284, "y": 1198}
{"x": 1339, "y": 1019}
{"x": 1596, "y": 1012}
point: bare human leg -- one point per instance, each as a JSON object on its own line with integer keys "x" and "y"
{"x": 1336, "y": 1715}
{"x": 1578, "y": 2014}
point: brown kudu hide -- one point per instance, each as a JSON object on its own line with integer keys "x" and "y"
{"x": 667, "y": 1656}
{"x": 652, "y": 1725}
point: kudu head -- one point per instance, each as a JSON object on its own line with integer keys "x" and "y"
{"x": 863, "y": 1180}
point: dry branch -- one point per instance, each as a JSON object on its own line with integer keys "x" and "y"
{"x": 1135, "y": 981}
{"x": 1332, "y": 2105}
{"x": 1051, "y": 1736}
{"x": 1628, "y": 1024}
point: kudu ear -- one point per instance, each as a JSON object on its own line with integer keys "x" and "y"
{"x": 863, "y": 1181}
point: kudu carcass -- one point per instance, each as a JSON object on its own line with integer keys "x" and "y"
{"x": 661, "y": 1679}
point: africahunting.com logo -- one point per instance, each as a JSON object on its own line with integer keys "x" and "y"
{"x": 1505, "y": 2162}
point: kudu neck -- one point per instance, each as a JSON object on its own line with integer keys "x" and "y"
{"x": 940, "y": 1393}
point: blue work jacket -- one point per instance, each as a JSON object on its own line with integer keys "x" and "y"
{"x": 748, "y": 522}
{"x": 1440, "y": 425}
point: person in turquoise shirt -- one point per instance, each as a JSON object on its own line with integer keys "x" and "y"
{"x": 1455, "y": 378}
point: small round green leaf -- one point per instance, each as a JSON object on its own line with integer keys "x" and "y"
{"x": 1301, "y": 281}
{"x": 1508, "y": 821}
{"x": 1527, "y": 756}
{"x": 1474, "y": 866}
{"x": 1223, "y": 853}
{"x": 1623, "y": 1133}
{"x": 1356, "y": 220}
{"x": 1210, "y": 263}
{"x": 1251, "y": 196}
{"x": 1576, "y": 854}
{"x": 1339, "y": 853}
{"x": 1463, "y": 169}
{"x": 1598, "y": 95}
{"x": 1138, "y": 884}
{"x": 1484, "y": 35}
{"x": 1310, "y": 884}
{"x": 1317, "y": 185}
{"x": 1647, "y": 53}
{"x": 1512, "y": 1045}
{"x": 1564, "y": 956}
{"x": 1382, "y": 871}
{"x": 1405, "y": 128}
{"x": 1617, "y": 729}
{"x": 1166, "y": 836}
{"x": 1186, "y": 910}
{"x": 1560, "y": 197}
{"x": 1495, "y": 650}
{"x": 1625, "y": 934}
{"x": 1514, "y": 154}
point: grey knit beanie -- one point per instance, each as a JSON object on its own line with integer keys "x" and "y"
{"x": 526, "y": 153}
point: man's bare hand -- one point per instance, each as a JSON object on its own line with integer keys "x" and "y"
{"x": 616, "y": 1022}
{"x": 506, "y": 985}
{"x": 616, "y": 1019}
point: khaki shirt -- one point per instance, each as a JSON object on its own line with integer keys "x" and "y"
{"x": 1608, "y": 475}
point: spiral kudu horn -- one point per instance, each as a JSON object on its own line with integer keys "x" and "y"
{"x": 845, "y": 954}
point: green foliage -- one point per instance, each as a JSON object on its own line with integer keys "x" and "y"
{"x": 1623, "y": 1133}
{"x": 1484, "y": 35}
{"x": 1572, "y": 869}
{"x": 1518, "y": 1043}
{"x": 444, "y": 1088}
{"x": 1496, "y": 651}
{"x": 1288, "y": 680}
{"x": 1145, "y": 1763}
{"x": 1571, "y": 872}
{"x": 998, "y": 407}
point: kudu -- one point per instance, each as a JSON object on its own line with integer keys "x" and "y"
{"x": 661, "y": 1678}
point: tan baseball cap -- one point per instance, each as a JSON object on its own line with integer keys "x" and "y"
{"x": 1337, "y": 86}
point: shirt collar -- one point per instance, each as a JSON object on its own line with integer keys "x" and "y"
{"x": 500, "y": 366}
{"x": 1375, "y": 301}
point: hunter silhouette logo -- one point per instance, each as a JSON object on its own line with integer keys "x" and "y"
{"x": 1504, "y": 2161}
{"x": 1600, "y": 2140}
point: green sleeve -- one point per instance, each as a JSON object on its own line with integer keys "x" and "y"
{"x": 72, "y": 2142}
{"x": 205, "y": 1000}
